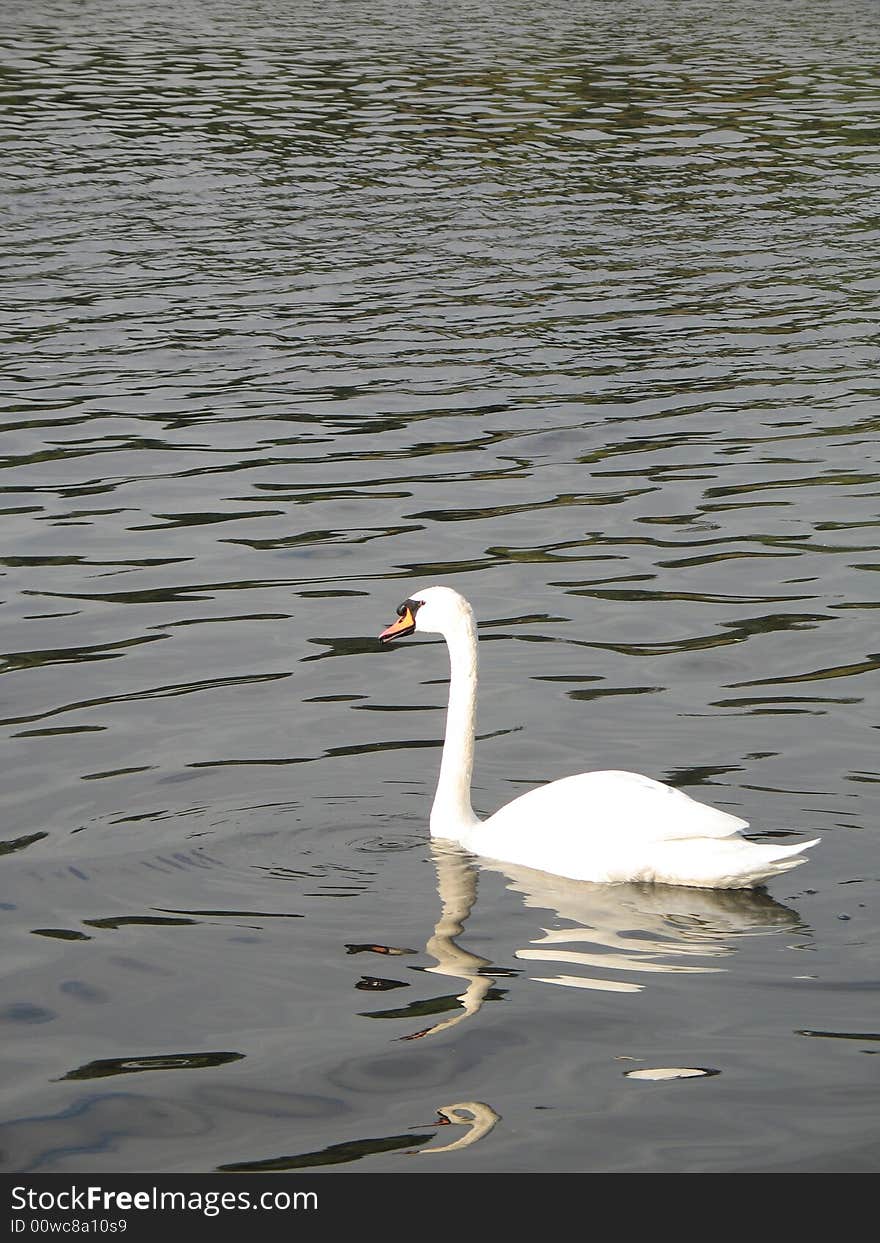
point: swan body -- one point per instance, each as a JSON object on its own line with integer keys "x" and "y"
{"x": 609, "y": 827}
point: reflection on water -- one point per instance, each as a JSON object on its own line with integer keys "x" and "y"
{"x": 618, "y": 929}
{"x": 478, "y": 1117}
{"x": 333, "y": 1154}
{"x": 642, "y": 928}
{"x": 457, "y": 888}
{"x": 166, "y": 1061}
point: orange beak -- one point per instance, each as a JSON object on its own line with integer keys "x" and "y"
{"x": 405, "y": 624}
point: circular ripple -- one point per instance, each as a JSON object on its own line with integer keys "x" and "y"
{"x": 385, "y": 845}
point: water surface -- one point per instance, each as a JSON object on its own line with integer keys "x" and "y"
{"x": 574, "y": 309}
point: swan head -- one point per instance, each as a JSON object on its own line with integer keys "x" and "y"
{"x": 432, "y": 610}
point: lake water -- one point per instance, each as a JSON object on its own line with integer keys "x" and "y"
{"x": 571, "y": 307}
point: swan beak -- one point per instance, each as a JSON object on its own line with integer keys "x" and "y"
{"x": 405, "y": 624}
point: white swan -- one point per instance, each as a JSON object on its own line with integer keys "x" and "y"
{"x": 610, "y": 827}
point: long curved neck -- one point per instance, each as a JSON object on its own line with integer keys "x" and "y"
{"x": 452, "y": 813}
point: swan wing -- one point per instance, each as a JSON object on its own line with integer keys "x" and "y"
{"x": 611, "y": 827}
{"x": 619, "y": 805}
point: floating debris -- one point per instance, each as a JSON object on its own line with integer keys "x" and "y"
{"x": 377, "y": 949}
{"x": 661, "y": 1073}
{"x": 374, "y": 983}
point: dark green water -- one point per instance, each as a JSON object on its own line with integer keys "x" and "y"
{"x": 309, "y": 305}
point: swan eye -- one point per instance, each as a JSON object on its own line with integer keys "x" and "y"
{"x": 406, "y": 621}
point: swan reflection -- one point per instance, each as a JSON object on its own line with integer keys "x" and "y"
{"x": 621, "y": 932}
{"x": 457, "y": 887}
{"x": 477, "y": 1116}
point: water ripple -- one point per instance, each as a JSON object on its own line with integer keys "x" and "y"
{"x": 574, "y": 311}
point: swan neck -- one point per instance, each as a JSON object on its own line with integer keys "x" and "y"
{"x": 452, "y": 813}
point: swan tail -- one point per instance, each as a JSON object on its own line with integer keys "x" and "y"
{"x": 729, "y": 863}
